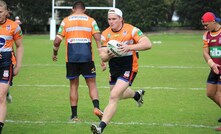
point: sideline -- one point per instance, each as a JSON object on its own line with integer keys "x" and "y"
{"x": 115, "y": 123}
{"x": 82, "y": 86}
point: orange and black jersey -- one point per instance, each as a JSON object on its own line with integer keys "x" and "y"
{"x": 9, "y": 32}
{"x": 78, "y": 30}
{"x": 128, "y": 35}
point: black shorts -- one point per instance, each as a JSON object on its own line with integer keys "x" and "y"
{"x": 127, "y": 76}
{"x": 6, "y": 74}
{"x": 87, "y": 69}
{"x": 214, "y": 78}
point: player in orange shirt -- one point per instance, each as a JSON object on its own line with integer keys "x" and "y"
{"x": 123, "y": 69}
{"x": 10, "y": 33}
{"x": 9, "y": 97}
{"x": 78, "y": 29}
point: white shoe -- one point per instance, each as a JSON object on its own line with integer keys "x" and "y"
{"x": 140, "y": 101}
{"x": 9, "y": 98}
{"x": 95, "y": 129}
{"x": 74, "y": 119}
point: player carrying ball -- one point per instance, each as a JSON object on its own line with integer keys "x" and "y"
{"x": 123, "y": 69}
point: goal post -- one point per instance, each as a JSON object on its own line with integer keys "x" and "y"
{"x": 53, "y": 20}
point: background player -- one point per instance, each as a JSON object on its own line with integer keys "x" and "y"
{"x": 78, "y": 29}
{"x": 212, "y": 44}
{"x": 10, "y": 33}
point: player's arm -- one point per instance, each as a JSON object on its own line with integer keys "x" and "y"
{"x": 97, "y": 37}
{"x": 56, "y": 46}
{"x": 142, "y": 44}
{"x": 210, "y": 62}
{"x": 104, "y": 54}
{"x": 19, "y": 55}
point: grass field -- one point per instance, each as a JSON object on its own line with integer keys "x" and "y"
{"x": 173, "y": 74}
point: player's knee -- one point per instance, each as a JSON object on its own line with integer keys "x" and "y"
{"x": 114, "y": 98}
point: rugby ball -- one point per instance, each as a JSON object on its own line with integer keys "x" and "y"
{"x": 113, "y": 46}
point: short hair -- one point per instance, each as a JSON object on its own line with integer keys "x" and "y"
{"x": 3, "y": 4}
{"x": 78, "y": 4}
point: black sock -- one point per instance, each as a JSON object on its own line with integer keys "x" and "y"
{"x": 102, "y": 125}
{"x": 74, "y": 111}
{"x": 136, "y": 96}
{"x": 96, "y": 103}
{"x": 1, "y": 126}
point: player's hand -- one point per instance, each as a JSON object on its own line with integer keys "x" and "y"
{"x": 215, "y": 68}
{"x": 15, "y": 71}
{"x": 0, "y": 56}
{"x": 103, "y": 66}
{"x": 124, "y": 48}
{"x": 111, "y": 55}
{"x": 54, "y": 57}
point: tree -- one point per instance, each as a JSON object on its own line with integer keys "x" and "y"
{"x": 190, "y": 12}
{"x": 145, "y": 14}
{"x": 34, "y": 14}
{"x": 171, "y": 6}
{"x": 99, "y": 15}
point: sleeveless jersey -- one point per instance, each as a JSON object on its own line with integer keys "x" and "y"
{"x": 9, "y": 32}
{"x": 128, "y": 35}
{"x": 78, "y": 31}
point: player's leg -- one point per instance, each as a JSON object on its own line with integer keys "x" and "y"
{"x": 115, "y": 95}
{"x": 89, "y": 72}
{"x": 129, "y": 93}
{"x": 74, "y": 98}
{"x": 93, "y": 92}
{"x": 218, "y": 99}
{"x": 213, "y": 93}
{"x": 213, "y": 90}
{"x": 212, "y": 87}
{"x": 9, "y": 97}
{"x": 5, "y": 82}
{"x": 136, "y": 95}
{"x": 3, "y": 108}
{"x": 72, "y": 73}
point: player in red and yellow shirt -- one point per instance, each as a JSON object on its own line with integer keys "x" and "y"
{"x": 123, "y": 69}
{"x": 10, "y": 34}
{"x": 212, "y": 55}
{"x": 78, "y": 29}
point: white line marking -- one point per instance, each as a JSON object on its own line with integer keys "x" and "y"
{"x": 174, "y": 67}
{"x": 141, "y": 66}
{"x": 115, "y": 123}
{"x": 82, "y": 86}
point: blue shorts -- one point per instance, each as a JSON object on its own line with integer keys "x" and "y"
{"x": 74, "y": 70}
{"x": 6, "y": 74}
{"x": 214, "y": 78}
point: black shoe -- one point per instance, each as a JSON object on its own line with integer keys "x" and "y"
{"x": 140, "y": 101}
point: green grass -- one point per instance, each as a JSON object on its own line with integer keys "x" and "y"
{"x": 173, "y": 74}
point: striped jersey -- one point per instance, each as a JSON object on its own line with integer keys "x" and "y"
{"x": 128, "y": 35}
{"x": 9, "y": 32}
{"x": 212, "y": 40}
{"x": 78, "y": 30}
